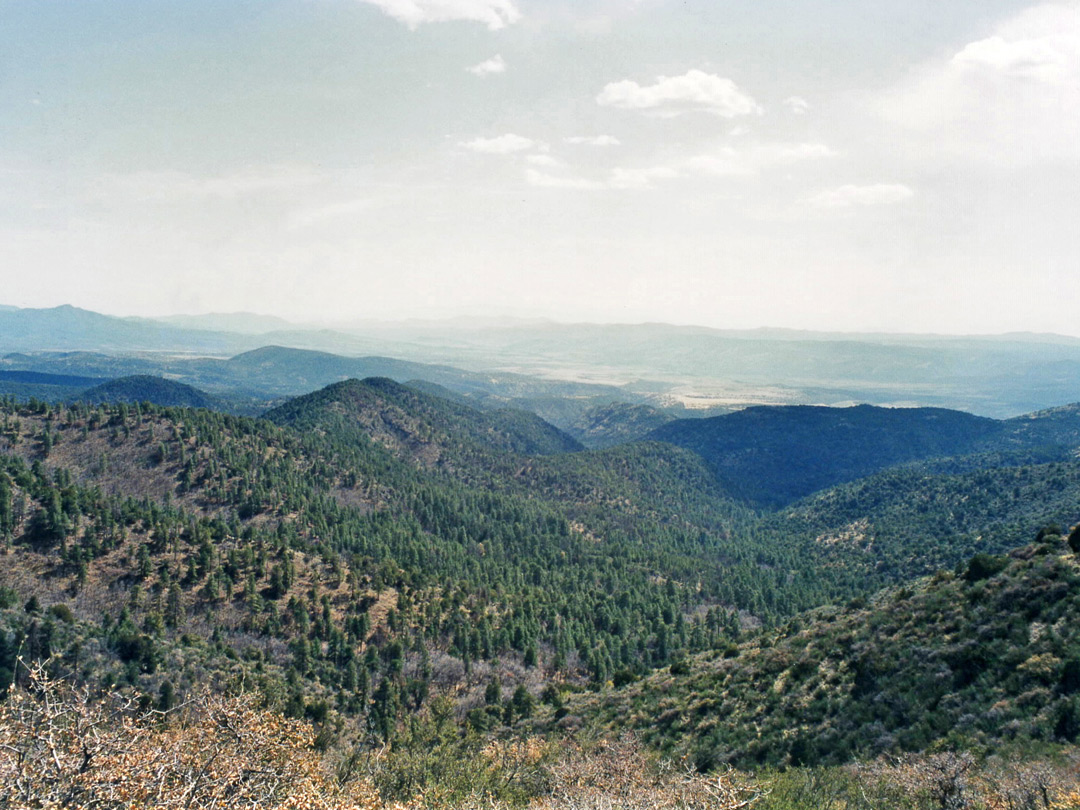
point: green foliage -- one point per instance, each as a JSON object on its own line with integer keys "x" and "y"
{"x": 982, "y": 566}
{"x": 379, "y": 546}
{"x": 1074, "y": 539}
{"x": 980, "y": 663}
{"x": 432, "y": 762}
{"x": 927, "y": 782}
{"x": 417, "y": 424}
{"x": 774, "y": 455}
{"x": 616, "y": 423}
{"x": 135, "y": 647}
{"x": 62, "y": 612}
{"x": 278, "y": 539}
{"x": 146, "y": 388}
{"x": 910, "y": 521}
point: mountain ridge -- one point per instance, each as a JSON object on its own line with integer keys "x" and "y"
{"x": 774, "y": 455}
{"x": 993, "y": 375}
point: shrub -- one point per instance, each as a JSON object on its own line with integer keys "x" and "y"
{"x": 63, "y": 613}
{"x": 1074, "y": 540}
{"x": 620, "y": 774}
{"x": 680, "y": 667}
{"x": 60, "y": 748}
{"x": 984, "y": 566}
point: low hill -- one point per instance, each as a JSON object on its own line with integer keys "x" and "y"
{"x": 146, "y": 388}
{"x": 427, "y": 429}
{"x": 989, "y": 656}
{"x": 1052, "y": 426}
{"x": 27, "y": 385}
{"x": 39, "y": 378}
{"x": 908, "y": 521}
{"x": 272, "y": 372}
{"x": 772, "y": 456}
{"x": 291, "y": 370}
{"x": 615, "y": 423}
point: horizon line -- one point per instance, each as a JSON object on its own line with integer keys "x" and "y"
{"x": 484, "y": 321}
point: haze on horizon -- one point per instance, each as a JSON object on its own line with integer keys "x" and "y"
{"x": 906, "y": 167}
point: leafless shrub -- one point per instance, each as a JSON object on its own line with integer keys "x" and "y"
{"x": 1033, "y": 786}
{"x": 619, "y": 775}
{"x": 954, "y": 781}
{"x": 59, "y": 748}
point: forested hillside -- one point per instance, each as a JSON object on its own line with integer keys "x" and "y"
{"x": 986, "y": 658}
{"x": 369, "y": 547}
{"x": 329, "y": 570}
{"x": 148, "y": 388}
{"x": 911, "y": 521}
{"x": 773, "y": 456}
{"x": 423, "y": 428}
{"x": 617, "y": 423}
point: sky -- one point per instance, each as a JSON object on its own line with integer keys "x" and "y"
{"x": 836, "y": 165}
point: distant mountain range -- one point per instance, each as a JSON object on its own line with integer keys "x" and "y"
{"x": 681, "y": 370}
{"x": 245, "y": 323}
{"x": 67, "y": 328}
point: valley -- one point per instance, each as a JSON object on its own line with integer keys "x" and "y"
{"x": 404, "y": 557}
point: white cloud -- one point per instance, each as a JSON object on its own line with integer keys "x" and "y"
{"x": 347, "y": 209}
{"x": 851, "y": 196}
{"x": 641, "y": 178}
{"x": 503, "y": 145}
{"x": 694, "y": 90}
{"x": 797, "y": 105}
{"x": 721, "y": 162}
{"x": 594, "y": 140}
{"x": 729, "y": 161}
{"x": 1011, "y": 98}
{"x": 495, "y": 14}
{"x": 545, "y": 180}
{"x": 1043, "y": 59}
{"x": 781, "y": 153}
{"x": 544, "y": 160}
{"x": 618, "y": 179}
{"x": 495, "y": 64}
{"x": 166, "y": 186}
{"x": 724, "y": 162}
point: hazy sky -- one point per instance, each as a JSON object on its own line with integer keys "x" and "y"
{"x": 837, "y": 164}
